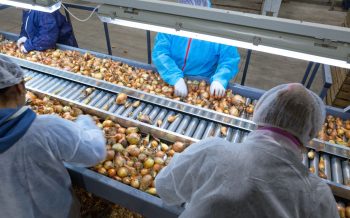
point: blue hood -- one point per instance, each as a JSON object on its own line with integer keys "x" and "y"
{"x": 11, "y": 130}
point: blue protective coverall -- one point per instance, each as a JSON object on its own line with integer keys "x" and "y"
{"x": 176, "y": 57}
{"x": 43, "y": 30}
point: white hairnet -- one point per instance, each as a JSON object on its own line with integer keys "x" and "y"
{"x": 204, "y": 3}
{"x": 10, "y": 73}
{"x": 293, "y": 108}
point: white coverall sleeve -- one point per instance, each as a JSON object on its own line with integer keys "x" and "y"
{"x": 325, "y": 203}
{"x": 176, "y": 182}
{"x": 80, "y": 142}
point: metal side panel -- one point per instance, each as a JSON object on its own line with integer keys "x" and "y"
{"x": 121, "y": 194}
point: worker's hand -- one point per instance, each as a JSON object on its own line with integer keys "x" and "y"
{"x": 181, "y": 88}
{"x": 21, "y": 41}
{"x": 217, "y": 89}
{"x": 23, "y": 49}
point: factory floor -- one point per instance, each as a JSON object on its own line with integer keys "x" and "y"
{"x": 265, "y": 70}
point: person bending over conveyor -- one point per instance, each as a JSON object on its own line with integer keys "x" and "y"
{"x": 34, "y": 181}
{"x": 176, "y": 57}
{"x": 41, "y": 31}
{"x": 261, "y": 177}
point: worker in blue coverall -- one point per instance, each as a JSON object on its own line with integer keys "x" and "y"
{"x": 41, "y": 31}
{"x": 176, "y": 57}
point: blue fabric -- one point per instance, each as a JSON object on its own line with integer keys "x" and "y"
{"x": 212, "y": 60}
{"x": 44, "y": 30}
{"x": 11, "y": 131}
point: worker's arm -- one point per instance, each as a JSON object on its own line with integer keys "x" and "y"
{"x": 163, "y": 61}
{"x": 23, "y": 26}
{"x": 47, "y": 35}
{"x": 79, "y": 142}
{"x": 176, "y": 182}
{"x": 227, "y": 65}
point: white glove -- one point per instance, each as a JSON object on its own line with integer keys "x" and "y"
{"x": 23, "y": 49}
{"x": 216, "y": 89}
{"x": 181, "y": 88}
{"x": 21, "y": 41}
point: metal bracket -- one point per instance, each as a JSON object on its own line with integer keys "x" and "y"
{"x": 131, "y": 11}
{"x": 327, "y": 43}
{"x": 178, "y": 26}
{"x": 256, "y": 40}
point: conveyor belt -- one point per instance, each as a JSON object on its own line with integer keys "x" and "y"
{"x": 188, "y": 125}
{"x": 336, "y": 170}
{"x": 190, "y": 128}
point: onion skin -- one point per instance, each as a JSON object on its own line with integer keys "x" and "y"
{"x": 178, "y": 147}
{"x": 121, "y": 99}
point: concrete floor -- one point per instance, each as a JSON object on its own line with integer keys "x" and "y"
{"x": 265, "y": 70}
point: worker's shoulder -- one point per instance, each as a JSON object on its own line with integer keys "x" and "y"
{"x": 49, "y": 121}
{"x": 318, "y": 184}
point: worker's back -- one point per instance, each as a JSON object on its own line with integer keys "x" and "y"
{"x": 34, "y": 181}
{"x": 262, "y": 177}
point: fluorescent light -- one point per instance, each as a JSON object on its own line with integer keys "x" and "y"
{"x": 36, "y": 7}
{"x": 221, "y": 40}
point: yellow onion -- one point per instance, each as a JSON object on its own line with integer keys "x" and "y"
{"x": 122, "y": 172}
{"x": 121, "y": 98}
{"x": 130, "y": 130}
{"x": 149, "y": 162}
{"x": 133, "y": 150}
{"x": 178, "y": 146}
{"x": 133, "y": 138}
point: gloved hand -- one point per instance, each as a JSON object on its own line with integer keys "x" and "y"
{"x": 181, "y": 88}
{"x": 21, "y": 41}
{"x": 23, "y": 49}
{"x": 216, "y": 89}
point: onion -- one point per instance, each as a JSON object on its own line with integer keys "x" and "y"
{"x": 121, "y": 130}
{"x": 154, "y": 143}
{"x": 121, "y": 98}
{"x": 238, "y": 100}
{"x": 157, "y": 167}
{"x": 58, "y": 108}
{"x": 159, "y": 123}
{"x": 110, "y": 155}
{"x": 160, "y": 154}
{"x": 133, "y": 150}
{"x": 234, "y": 111}
{"x": 151, "y": 191}
{"x": 171, "y": 152}
{"x": 133, "y": 138}
{"x": 130, "y": 130}
{"x": 164, "y": 147}
{"x": 142, "y": 157}
{"x": 108, "y": 165}
{"x": 130, "y": 163}
{"x": 223, "y": 131}
{"x": 178, "y": 146}
{"x": 144, "y": 118}
{"x": 138, "y": 165}
{"x": 341, "y": 210}
{"x": 136, "y": 104}
{"x": 172, "y": 118}
{"x": 135, "y": 183}
{"x": 149, "y": 162}
{"x": 146, "y": 181}
{"x": 347, "y": 212}
{"x": 102, "y": 171}
{"x": 311, "y": 155}
{"x": 118, "y": 147}
{"x": 122, "y": 172}
{"x": 119, "y": 161}
{"x": 250, "y": 109}
{"x": 107, "y": 123}
{"x": 144, "y": 171}
{"x": 112, "y": 172}
{"x": 159, "y": 160}
{"x": 126, "y": 180}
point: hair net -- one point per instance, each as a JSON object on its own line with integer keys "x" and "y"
{"x": 10, "y": 73}
{"x": 204, "y": 3}
{"x": 293, "y": 108}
